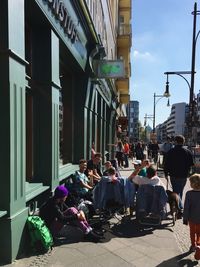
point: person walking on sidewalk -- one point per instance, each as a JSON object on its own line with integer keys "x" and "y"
{"x": 154, "y": 151}
{"x": 178, "y": 163}
{"x": 139, "y": 152}
{"x": 120, "y": 154}
{"x": 191, "y": 213}
{"x": 93, "y": 151}
{"x": 126, "y": 154}
{"x": 166, "y": 148}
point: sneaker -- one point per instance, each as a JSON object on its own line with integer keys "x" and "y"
{"x": 197, "y": 253}
{"x": 192, "y": 249}
{"x": 180, "y": 214}
{"x": 93, "y": 237}
{"x": 98, "y": 232}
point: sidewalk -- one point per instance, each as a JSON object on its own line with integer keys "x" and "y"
{"x": 124, "y": 245}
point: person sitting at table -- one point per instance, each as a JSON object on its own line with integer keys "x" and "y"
{"x": 108, "y": 165}
{"x": 151, "y": 178}
{"x": 109, "y": 188}
{"x": 150, "y": 186}
{"x": 112, "y": 175}
{"x": 143, "y": 171}
{"x": 122, "y": 190}
{"x": 94, "y": 168}
{"x": 83, "y": 183}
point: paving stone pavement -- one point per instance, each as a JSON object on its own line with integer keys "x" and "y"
{"x": 124, "y": 246}
{"x": 181, "y": 231}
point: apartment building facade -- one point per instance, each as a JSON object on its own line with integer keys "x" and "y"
{"x": 175, "y": 124}
{"x": 133, "y": 120}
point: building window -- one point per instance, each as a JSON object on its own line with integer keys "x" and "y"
{"x": 121, "y": 19}
{"x": 29, "y": 105}
{"x": 66, "y": 115}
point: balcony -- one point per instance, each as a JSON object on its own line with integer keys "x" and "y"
{"x": 124, "y": 29}
{"x": 123, "y": 86}
{"x": 124, "y": 36}
{"x": 127, "y": 72}
{"x": 124, "y": 4}
{"x": 124, "y": 98}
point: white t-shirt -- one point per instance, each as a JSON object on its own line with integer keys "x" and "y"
{"x": 140, "y": 180}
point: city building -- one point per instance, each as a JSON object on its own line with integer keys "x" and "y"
{"x": 59, "y": 63}
{"x": 161, "y": 132}
{"x": 176, "y": 120}
{"x": 175, "y": 124}
{"x": 124, "y": 41}
{"x": 133, "y": 120}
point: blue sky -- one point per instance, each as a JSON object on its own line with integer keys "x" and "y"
{"x": 162, "y": 41}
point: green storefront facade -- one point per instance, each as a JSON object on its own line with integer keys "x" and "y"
{"x": 51, "y": 106}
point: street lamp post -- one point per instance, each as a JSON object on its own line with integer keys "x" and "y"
{"x": 166, "y": 94}
{"x": 192, "y": 73}
{"x": 191, "y": 95}
{"x": 194, "y": 42}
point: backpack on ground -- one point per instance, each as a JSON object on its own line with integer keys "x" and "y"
{"x": 41, "y": 238}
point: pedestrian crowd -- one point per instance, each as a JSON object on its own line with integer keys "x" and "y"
{"x": 91, "y": 184}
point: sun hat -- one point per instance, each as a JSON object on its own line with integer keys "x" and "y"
{"x": 137, "y": 162}
{"x": 60, "y": 191}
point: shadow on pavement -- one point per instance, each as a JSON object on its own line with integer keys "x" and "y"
{"x": 129, "y": 228}
{"x": 179, "y": 261}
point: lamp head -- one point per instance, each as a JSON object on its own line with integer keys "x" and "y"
{"x": 166, "y": 93}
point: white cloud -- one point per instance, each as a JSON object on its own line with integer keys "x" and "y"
{"x": 143, "y": 56}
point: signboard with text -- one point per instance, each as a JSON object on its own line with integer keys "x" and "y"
{"x": 65, "y": 22}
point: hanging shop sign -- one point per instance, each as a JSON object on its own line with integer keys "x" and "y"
{"x": 109, "y": 68}
{"x": 64, "y": 20}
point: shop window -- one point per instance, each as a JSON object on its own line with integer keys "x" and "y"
{"x": 29, "y": 105}
{"x": 66, "y": 116}
{"x": 61, "y": 127}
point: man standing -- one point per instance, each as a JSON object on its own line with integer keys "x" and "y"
{"x": 178, "y": 162}
{"x": 154, "y": 150}
{"x": 165, "y": 148}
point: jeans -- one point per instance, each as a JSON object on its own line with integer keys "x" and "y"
{"x": 178, "y": 185}
{"x": 126, "y": 165}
